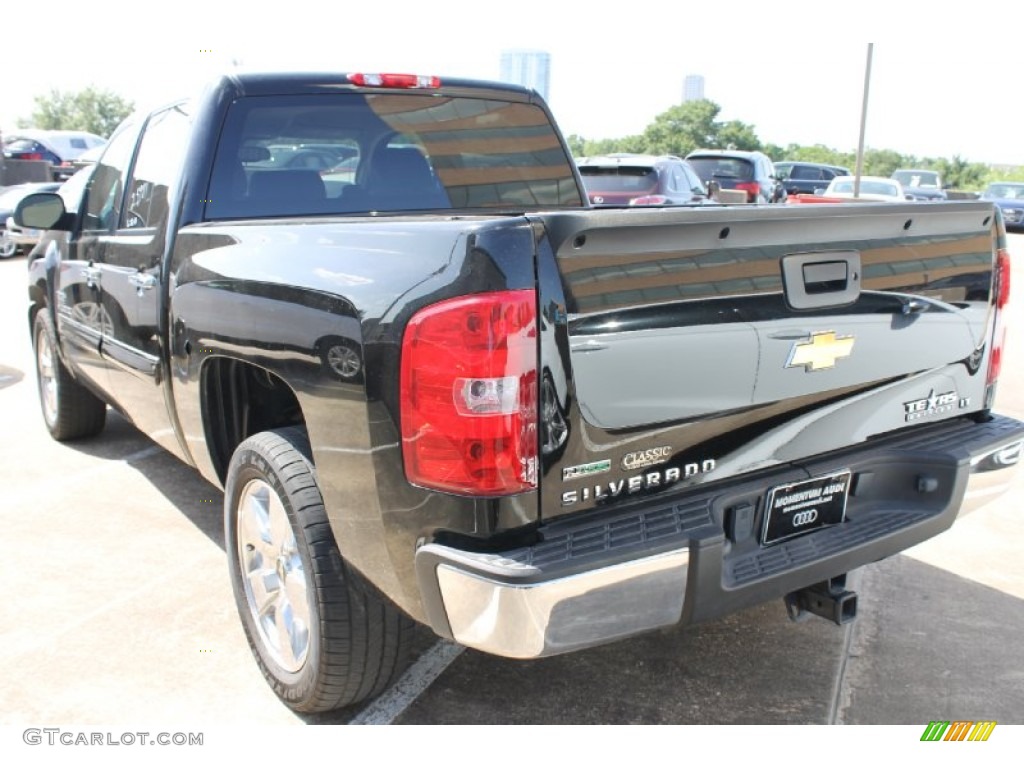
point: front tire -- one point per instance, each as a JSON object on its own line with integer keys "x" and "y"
{"x": 70, "y": 411}
{"x": 321, "y": 635}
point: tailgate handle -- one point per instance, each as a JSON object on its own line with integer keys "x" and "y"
{"x": 821, "y": 279}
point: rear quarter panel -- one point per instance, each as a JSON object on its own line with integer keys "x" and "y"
{"x": 268, "y": 293}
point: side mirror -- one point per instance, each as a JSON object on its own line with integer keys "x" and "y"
{"x": 713, "y": 188}
{"x": 819, "y": 192}
{"x": 43, "y": 210}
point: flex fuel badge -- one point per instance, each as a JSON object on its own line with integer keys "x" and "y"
{"x": 586, "y": 470}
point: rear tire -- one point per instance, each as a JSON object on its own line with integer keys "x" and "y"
{"x": 322, "y": 636}
{"x": 8, "y": 247}
{"x": 70, "y": 411}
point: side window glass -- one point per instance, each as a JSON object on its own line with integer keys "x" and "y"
{"x": 673, "y": 180}
{"x": 696, "y": 185}
{"x": 106, "y": 187}
{"x": 163, "y": 142}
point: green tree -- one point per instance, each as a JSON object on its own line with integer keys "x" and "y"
{"x": 960, "y": 174}
{"x": 93, "y": 110}
{"x": 817, "y": 153}
{"x": 611, "y": 146}
{"x": 1003, "y": 173}
{"x": 577, "y": 144}
{"x": 882, "y": 162}
{"x": 683, "y": 128}
{"x": 737, "y": 135}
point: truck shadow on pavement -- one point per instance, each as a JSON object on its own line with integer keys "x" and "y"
{"x": 197, "y": 500}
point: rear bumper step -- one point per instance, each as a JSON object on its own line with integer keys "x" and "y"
{"x": 695, "y": 555}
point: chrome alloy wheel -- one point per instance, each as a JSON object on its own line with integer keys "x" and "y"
{"x": 276, "y": 588}
{"x": 47, "y": 376}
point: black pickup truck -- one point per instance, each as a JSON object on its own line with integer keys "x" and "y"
{"x": 436, "y": 386}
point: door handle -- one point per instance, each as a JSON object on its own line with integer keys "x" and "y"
{"x": 143, "y": 281}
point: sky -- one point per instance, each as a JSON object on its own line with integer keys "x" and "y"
{"x": 944, "y": 81}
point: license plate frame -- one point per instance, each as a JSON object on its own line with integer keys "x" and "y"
{"x": 822, "y": 499}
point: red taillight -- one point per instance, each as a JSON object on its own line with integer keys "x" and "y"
{"x": 32, "y": 156}
{"x": 1002, "y": 278}
{"x": 1001, "y": 290}
{"x": 649, "y": 200}
{"x": 751, "y": 188}
{"x": 469, "y": 395}
{"x": 382, "y": 80}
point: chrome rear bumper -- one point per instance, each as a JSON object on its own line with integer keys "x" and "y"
{"x": 676, "y": 563}
{"x": 489, "y": 605}
{"x": 992, "y": 473}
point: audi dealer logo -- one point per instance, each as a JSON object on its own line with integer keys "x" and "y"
{"x": 806, "y": 517}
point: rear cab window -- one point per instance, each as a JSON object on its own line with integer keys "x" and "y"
{"x": 364, "y": 153}
{"x": 722, "y": 167}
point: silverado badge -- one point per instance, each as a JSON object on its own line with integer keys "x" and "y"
{"x": 820, "y": 351}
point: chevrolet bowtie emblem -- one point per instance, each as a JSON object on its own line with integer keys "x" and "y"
{"x": 820, "y": 351}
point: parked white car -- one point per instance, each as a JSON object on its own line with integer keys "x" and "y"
{"x": 871, "y": 188}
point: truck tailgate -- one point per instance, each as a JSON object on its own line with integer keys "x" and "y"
{"x": 697, "y": 344}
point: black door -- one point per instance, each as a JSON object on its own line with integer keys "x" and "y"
{"x": 83, "y": 313}
{"x": 131, "y": 276}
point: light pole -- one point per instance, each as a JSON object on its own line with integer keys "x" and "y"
{"x": 863, "y": 123}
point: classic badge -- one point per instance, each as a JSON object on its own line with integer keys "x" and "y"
{"x": 648, "y": 458}
{"x": 820, "y": 351}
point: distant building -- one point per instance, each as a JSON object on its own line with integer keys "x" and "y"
{"x": 693, "y": 88}
{"x": 529, "y": 68}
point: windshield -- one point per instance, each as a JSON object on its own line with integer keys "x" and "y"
{"x": 918, "y": 178}
{"x": 1005, "y": 191}
{"x": 357, "y": 153}
{"x": 619, "y": 179}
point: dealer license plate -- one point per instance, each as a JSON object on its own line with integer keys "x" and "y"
{"x": 806, "y": 506}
